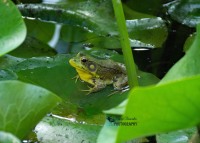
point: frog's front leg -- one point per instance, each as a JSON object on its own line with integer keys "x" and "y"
{"x": 98, "y": 85}
{"x": 76, "y": 78}
{"x": 120, "y": 82}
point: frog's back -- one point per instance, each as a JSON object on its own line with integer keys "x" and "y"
{"x": 109, "y": 68}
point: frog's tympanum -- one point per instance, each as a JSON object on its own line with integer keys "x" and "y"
{"x": 99, "y": 72}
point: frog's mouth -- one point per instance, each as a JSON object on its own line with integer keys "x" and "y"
{"x": 78, "y": 68}
{"x": 74, "y": 64}
{"x": 83, "y": 74}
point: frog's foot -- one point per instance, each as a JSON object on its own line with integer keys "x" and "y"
{"x": 120, "y": 82}
{"x": 89, "y": 90}
{"x": 76, "y": 78}
{"x": 96, "y": 88}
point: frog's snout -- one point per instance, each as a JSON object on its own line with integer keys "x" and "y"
{"x": 72, "y": 62}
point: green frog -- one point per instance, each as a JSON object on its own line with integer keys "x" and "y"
{"x": 99, "y": 72}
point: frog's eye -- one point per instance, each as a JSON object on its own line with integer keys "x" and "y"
{"x": 83, "y": 59}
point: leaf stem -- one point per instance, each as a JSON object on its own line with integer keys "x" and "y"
{"x": 125, "y": 43}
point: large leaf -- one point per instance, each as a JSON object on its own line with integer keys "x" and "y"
{"x": 55, "y": 130}
{"x": 40, "y": 71}
{"x": 149, "y": 104}
{"x": 99, "y": 19}
{"x": 188, "y": 66}
{"x": 84, "y": 14}
{"x": 12, "y": 27}
{"x": 185, "y": 11}
{"x": 162, "y": 108}
{"x": 22, "y": 106}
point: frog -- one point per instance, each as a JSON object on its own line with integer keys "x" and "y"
{"x": 99, "y": 72}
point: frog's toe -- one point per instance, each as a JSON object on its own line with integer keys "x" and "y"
{"x": 89, "y": 90}
{"x": 76, "y": 78}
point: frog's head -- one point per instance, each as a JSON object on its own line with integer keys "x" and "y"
{"x": 84, "y": 63}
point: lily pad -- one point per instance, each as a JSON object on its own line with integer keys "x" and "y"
{"x": 173, "y": 110}
{"x": 13, "y": 30}
{"x": 186, "y": 12}
{"x": 40, "y": 70}
{"x": 32, "y": 104}
{"x": 84, "y": 14}
{"x": 151, "y": 31}
{"x": 98, "y": 18}
{"x": 52, "y": 129}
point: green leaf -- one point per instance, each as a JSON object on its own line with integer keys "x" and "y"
{"x": 8, "y": 138}
{"x": 185, "y": 11}
{"x": 151, "y": 31}
{"x": 55, "y": 130}
{"x": 55, "y": 74}
{"x": 87, "y": 15}
{"x": 12, "y": 27}
{"x": 162, "y": 108}
{"x": 22, "y": 106}
{"x": 99, "y": 20}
